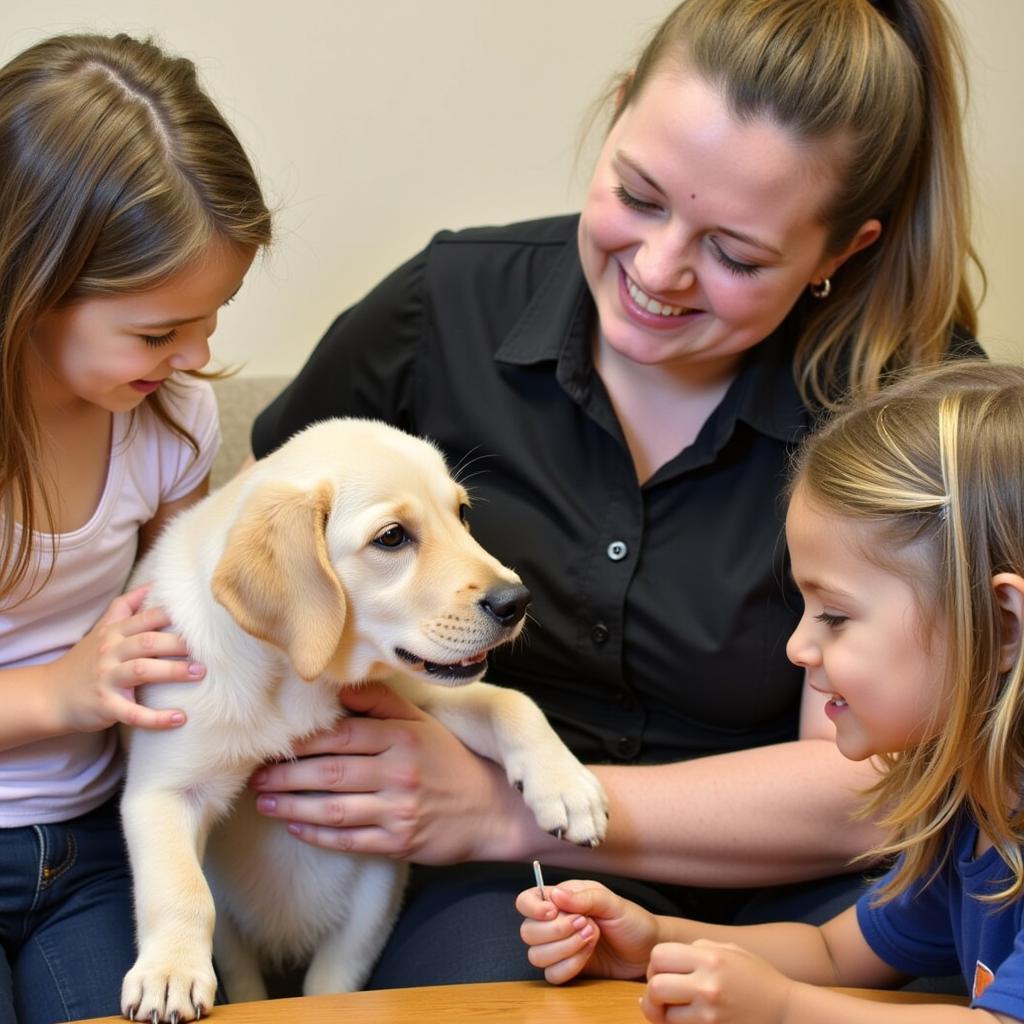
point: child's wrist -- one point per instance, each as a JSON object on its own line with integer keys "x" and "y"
{"x": 52, "y": 711}
{"x": 667, "y": 929}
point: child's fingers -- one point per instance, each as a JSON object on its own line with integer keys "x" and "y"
{"x": 578, "y": 942}
{"x": 126, "y": 605}
{"x": 149, "y": 645}
{"x": 141, "y": 671}
{"x": 140, "y": 717}
{"x": 653, "y": 1008}
{"x": 536, "y": 933}
{"x": 577, "y": 896}
{"x": 530, "y": 904}
{"x": 146, "y": 620}
{"x": 665, "y": 991}
{"x": 567, "y": 969}
{"x": 674, "y": 958}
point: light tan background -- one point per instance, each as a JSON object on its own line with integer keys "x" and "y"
{"x": 374, "y": 124}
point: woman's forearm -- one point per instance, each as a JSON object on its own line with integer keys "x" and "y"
{"x": 765, "y": 816}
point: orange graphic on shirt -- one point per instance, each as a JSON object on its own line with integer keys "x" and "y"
{"x": 983, "y": 977}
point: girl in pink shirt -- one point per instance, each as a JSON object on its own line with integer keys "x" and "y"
{"x": 129, "y": 214}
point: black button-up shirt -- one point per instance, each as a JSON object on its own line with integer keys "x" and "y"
{"x": 660, "y": 612}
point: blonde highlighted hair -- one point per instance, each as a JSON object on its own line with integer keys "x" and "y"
{"x": 937, "y": 461}
{"x": 116, "y": 172}
{"x": 882, "y": 84}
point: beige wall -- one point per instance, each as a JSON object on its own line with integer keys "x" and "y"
{"x": 373, "y": 125}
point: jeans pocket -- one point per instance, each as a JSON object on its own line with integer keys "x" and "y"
{"x": 58, "y": 852}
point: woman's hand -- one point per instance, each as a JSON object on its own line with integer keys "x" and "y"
{"x": 584, "y": 928}
{"x": 390, "y": 779}
{"x": 93, "y": 684}
{"x": 719, "y": 983}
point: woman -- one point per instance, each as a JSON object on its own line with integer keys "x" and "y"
{"x": 623, "y": 391}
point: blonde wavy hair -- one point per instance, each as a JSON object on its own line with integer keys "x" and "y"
{"x": 936, "y": 461}
{"x": 116, "y": 172}
{"x": 885, "y": 81}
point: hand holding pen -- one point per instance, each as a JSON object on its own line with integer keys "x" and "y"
{"x": 582, "y": 928}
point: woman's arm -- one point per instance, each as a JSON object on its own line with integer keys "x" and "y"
{"x": 765, "y": 816}
{"x": 397, "y": 782}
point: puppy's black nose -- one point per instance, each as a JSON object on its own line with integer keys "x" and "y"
{"x": 506, "y": 604}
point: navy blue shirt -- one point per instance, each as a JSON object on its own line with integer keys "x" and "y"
{"x": 660, "y": 611}
{"x": 942, "y": 927}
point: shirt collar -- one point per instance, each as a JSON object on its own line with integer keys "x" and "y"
{"x": 561, "y": 306}
{"x": 765, "y": 392}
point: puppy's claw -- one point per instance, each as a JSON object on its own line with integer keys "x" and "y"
{"x": 518, "y": 784}
{"x": 130, "y": 1012}
{"x": 557, "y": 833}
{"x": 175, "y": 1017}
{"x": 154, "y": 1017}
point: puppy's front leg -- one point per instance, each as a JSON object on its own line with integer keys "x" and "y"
{"x": 507, "y": 727}
{"x": 172, "y": 979}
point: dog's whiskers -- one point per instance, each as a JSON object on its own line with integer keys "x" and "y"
{"x": 460, "y": 473}
{"x": 467, "y": 458}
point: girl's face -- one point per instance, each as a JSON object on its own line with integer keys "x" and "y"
{"x": 863, "y": 640}
{"x": 699, "y": 232}
{"x": 114, "y": 350}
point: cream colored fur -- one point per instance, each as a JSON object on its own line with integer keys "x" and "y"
{"x": 282, "y": 593}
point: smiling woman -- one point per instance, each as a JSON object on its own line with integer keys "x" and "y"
{"x": 631, "y": 383}
{"x": 693, "y": 240}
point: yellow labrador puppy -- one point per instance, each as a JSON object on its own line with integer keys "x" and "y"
{"x": 341, "y": 557}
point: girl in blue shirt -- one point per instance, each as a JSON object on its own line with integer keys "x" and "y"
{"x": 906, "y": 533}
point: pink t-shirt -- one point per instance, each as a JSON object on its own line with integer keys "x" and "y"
{"x": 65, "y": 776}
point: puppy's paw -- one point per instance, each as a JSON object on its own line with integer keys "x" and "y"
{"x": 172, "y": 989}
{"x": 565, "y": 797}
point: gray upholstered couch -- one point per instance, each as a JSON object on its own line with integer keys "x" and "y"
{"x": 240, "y": 399}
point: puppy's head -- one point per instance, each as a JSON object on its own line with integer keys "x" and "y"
{"x": 352, "y": 554}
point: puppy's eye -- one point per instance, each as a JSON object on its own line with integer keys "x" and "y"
{"x": 393, "y": 536}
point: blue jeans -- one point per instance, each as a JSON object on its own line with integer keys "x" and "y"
{"x": 66, "y": 934}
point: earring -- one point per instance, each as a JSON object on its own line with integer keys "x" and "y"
{"x": 821, "y": 290}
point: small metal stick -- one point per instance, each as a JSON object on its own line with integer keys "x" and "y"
{"x": 540, "y": 879}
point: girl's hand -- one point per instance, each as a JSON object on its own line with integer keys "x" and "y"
{"x": 720, "y": 983}
{"x": 584, "y": 928}
{"x": 395, "y": 782}
{"x": 94, "y": 682}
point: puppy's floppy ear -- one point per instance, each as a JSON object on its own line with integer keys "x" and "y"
{"x": 275, "y": 577}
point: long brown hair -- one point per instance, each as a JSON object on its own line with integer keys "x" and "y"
{"x": 885, "y": 81}
{"x": 934, "y": 464}
{"x": 116, "y": 171}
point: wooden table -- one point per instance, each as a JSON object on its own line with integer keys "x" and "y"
{"x": 507, "y": 1002}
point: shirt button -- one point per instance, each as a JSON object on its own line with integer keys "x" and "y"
{"x": 626, "y": 747}
{"x": 617, "y": 550}
{"x": 599, "y": 633}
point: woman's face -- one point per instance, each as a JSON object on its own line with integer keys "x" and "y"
{"x": 699, "y": 232}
